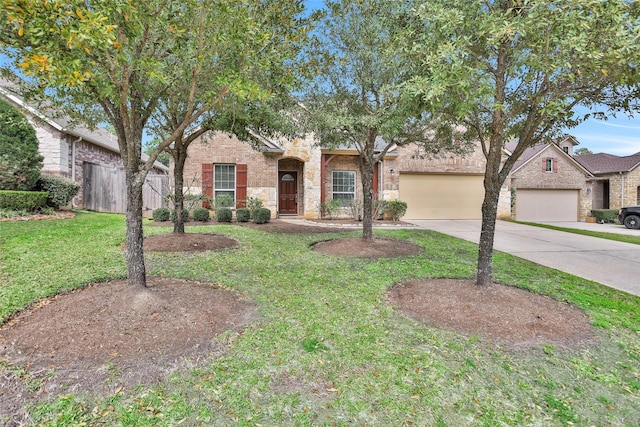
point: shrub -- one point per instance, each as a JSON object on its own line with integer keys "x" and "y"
{"x": 377, "y": 209}
{"x": 243, "y": 215}
{"x": 261, "y": 216}
{"x": 20, "y": 162}
{"x": 395, "y": 209}
{"x": 201, "y": 214}
{"x": 185, "y": 215}
{"x": 224, "y": 215}
{"x": 331, "y": 208}
{"x": 253, "y": 203}
{"x": 29, "y": 201}
{"x": 223, "y": 201}
{"x": 605, "y": 215}
{"x": 61, "y": 190}
{"x": 356, "y": 207}
{"x": 161, "y": 215}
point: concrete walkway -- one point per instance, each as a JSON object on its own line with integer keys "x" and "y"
{"x": 611, "y": 263}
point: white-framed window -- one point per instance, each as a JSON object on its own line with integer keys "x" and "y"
{"x": 344, "y": 187}
{"x": 224, "y": 180}
{"x": 549, "y": 164}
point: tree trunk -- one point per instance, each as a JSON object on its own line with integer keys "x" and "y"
{"x": 366, "y": 174}
{"x": 493, "y": 180}
{"x": 178, "y": 199}
{"x": 136, "y": 272}
{"x": 487, "y": 233}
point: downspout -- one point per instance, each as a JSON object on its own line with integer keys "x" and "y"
{"x": 73, "y": 167}
{"x": 622, "y": 203}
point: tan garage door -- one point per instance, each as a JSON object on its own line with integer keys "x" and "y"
{"x": 546, "y": 205}
{"x": 442, "y": 196}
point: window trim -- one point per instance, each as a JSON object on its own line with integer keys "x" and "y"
{"x": 216, "y": 189}
{"x": 344, "y": 201}
{"x": 548, "y": 164}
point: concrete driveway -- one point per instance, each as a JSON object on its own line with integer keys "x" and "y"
{"x": 604, "y": 261}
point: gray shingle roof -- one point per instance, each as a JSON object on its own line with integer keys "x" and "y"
{"x": 602, "y": 163}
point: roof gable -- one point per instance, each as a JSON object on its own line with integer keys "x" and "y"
{"x": 535, "y": 152}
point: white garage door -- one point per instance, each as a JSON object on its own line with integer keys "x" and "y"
{"x": 546, "y": 205}
{"x": 442, "y": 196}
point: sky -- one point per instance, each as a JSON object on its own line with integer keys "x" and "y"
{"x": 616, "y": 135}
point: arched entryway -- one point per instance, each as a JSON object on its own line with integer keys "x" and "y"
{"x": 290, "y": 187}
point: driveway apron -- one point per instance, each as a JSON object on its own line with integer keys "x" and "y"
{"x": 611, "y": 263}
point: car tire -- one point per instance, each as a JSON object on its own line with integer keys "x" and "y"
{"x": 632, "y": 222}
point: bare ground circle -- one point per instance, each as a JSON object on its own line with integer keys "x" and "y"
{"x": 359, "y": 248}
{"x": 501, "y": 314}
{"x": 111, "y": 335}
{"x": 188, "y": 242}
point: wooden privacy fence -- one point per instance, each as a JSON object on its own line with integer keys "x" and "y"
{"x": 105, "y": 190}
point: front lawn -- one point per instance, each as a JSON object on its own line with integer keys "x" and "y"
{"x": 329, "y": 349}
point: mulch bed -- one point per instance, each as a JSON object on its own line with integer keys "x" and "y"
{"x": 110, "y": 336}
{"x": 358, "y": 248}
{"x": 188, "y": 242}
{"x": 500, "y": 314}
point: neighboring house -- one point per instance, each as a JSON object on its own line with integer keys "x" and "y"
{"x": 89, "y": 157}
{"x": 616, "y": 181}
{"x": 549, "y": 184}
{"x": 295, "y": 177}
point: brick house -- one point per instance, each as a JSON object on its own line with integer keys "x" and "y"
{"x": 294, "y": 177}
{"x": 549, "y": 184}
{"x": 89, "y": 157}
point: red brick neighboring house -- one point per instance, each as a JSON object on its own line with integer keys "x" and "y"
{"x": 295, "y": 177}
{"x": 91, "y": 157}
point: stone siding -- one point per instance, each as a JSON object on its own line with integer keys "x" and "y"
{"x": 304, "y": 156}
{"x": 624, "y": 189}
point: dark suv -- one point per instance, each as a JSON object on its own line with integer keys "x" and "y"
{"x": 630, "y": 217}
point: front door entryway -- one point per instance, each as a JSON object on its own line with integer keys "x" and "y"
{"x": 288, "y": 193}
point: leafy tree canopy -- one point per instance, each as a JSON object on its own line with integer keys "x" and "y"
{"x": 357, "y": 98}
{"x": 516, "y": 70}
{"x": 582, "y": 151}
{"x": 121, "y": 62}
{"x": 20, "y": 162}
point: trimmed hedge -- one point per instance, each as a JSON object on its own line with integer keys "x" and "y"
{"x": 243, "y": 214}
{"x": 161, "y": 215}
{"x": 185, "y": 215}
{"x": 29, "y": 201}
{"x": 605, "y": 215}
{"x": 201, "y": 214}
{"x": 261, "y": 216}
{"x": 61, "y": 190}
{"x": 224, "y": 215}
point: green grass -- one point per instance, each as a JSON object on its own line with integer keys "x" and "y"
{"x": 625, "y": 238}
{"x": 328, "y": 349}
